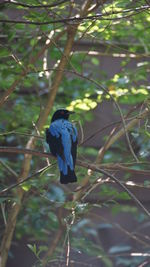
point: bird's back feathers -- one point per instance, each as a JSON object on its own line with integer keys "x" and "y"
{"x": 62, "y": 139}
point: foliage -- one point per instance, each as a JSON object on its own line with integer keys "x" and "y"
{"x": 48, "y": 209}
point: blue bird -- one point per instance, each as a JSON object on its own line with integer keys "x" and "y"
{"x": 62, "y": 138}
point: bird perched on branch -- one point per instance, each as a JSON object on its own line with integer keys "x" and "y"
{"x": 62, "y": 139}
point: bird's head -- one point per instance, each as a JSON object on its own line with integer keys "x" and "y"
{"x": 61, "y": 114}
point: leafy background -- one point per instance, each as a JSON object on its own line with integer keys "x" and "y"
{"x": 94, "y": 222}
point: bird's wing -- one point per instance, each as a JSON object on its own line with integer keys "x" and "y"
{"x": 74, "y": 144}
{"x": 70, "y": 143}
{"x": 74, "y": 134}
{"x": 62, "y": 139}
{"x": 74, "y": 140}
{"x": 66, "y": 142}
{"x": 53, "y": 138}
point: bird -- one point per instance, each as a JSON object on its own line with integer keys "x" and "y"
{"x": 62, "y": 138}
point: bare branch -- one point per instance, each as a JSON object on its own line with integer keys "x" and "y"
{"x": 125, "y": 231}
{"x": 3, "y": 213}
{"x": 86, "y": 165}
{"x": 112, "y": 98}
{"x": 8, "y": 168}
{"x": 21, "y": 181}
{"x": 94, "y": 168}
{"x": 80, "y": 19}
{"x": 114, "y": 137}
{"x": 21, "y": 134}
{"x": 13, "y": 2}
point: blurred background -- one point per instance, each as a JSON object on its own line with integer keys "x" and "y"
{"x": 91, "y": 57}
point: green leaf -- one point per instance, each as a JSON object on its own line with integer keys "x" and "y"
{"x": 95, "y": 61}
{"x": 147, "y": 133}
{"x": 26, "y": 187}
{"x": 123, "y": 196}
{"x": 33, "y": 248}
{"x": 4, "y": 52}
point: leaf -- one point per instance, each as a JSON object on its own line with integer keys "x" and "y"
{"x": 107, "y": 261}
{"x": 95, "y": 61}
{"x": 4, "y": 52}
{"x": 69, "y": 205}
{"x": 147, "y": 133}
{"x": 123, "y": 196}
{"x": 33, "y": 41}
{"x": 42, "y": 248}
{"x": 33, "y": 248}
{"x": 26, "y": 187}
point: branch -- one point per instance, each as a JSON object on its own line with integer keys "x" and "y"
{"x": 8, "y": 233}
{"x": 120, "y": 167}
{"x": 21, "y": 181}
{"x": 12, "y": 2}
{"x": 16, "y": 206}
{"x": 129, "y": 125}
{"x": 114, "y": 137}
{"x": 15, "y": 150}
{"x": 96, "y": 169}
{"x": 32, "y": 61}
{"x": 79, "y": 163}
{"x": 60, "y": 70}
{"x": 131, "y": 235}
{"x": 21, "y": 134}
{"x": 86, "y": 180}
{"x": 111, "y": 97}
{"x": 56, "y": 239}
{"x": 80, "y": 19}
{"x": 9, "y": 169}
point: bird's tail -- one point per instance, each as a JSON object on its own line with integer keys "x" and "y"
{"x": 70, "y": 177}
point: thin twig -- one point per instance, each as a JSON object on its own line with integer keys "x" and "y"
{"x": 23, "y": 180}
{"x": 8, "y": 168}
{"x": 94, "y": 168}
{"x": 19, "y": 133}
{"x": 55, "y": 241}
{"x": 3, "y": 213}
{"x": 79, "y": 163}
{"x": 115, "y": 102}
{"x": 13, "y": 2}
{"x": 116, "y": 225}
{"x": 84, "y": 18}
{"x": 32, "y": 61}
